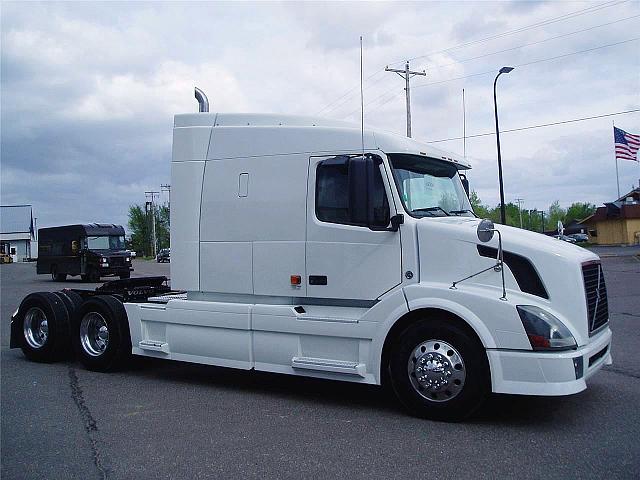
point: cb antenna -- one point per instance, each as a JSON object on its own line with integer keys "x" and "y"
{"x": 361, "y": 101}
{"x": 464, "y": 127}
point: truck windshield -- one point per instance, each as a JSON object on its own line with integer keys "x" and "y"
{"x": 429, "y": 187}
{"x": 110, "y": 242}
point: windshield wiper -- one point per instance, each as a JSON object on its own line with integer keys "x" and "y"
{"x": 431, "y": 210}
{"x": 459, "y": 212}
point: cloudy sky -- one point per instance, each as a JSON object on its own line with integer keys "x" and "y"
{"x": 89, "y": 90}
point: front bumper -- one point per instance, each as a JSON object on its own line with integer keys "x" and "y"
{"x": 104, "y": 271}
{"x": 548, "y": 373}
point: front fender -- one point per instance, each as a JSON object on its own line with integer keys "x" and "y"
{"x": 495, "y": 321}
{"x": 420, "y": 296}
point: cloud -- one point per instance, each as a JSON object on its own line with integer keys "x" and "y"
{"x": 89, "y": 90}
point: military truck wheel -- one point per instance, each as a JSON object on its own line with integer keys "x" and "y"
{"x": 57, "y": 277}
{"x": 100, "y": 333}
{"x": 125, "y": 275}
{"x": 439, "y": 371}
{"x": 43, "y": 320}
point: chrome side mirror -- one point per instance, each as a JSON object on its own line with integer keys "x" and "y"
{"x": 485, "y": 230}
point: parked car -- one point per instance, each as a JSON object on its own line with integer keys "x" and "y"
{"x": 580, "y": 237}
{"x": 565, "y": 238}
{"x": 132, "y": 253}
{"x": 164, "y": 255}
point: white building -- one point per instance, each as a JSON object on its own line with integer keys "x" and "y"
{"x": 17, "y": 232}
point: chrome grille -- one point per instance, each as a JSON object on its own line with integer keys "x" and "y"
{"x": 596, "y": 295}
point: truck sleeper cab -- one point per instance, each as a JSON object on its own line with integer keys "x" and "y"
{"x": 92, "y": 251}
{"x": 297, "y": 251}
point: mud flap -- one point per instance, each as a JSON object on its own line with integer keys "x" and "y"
{"x": 16, "y": 334}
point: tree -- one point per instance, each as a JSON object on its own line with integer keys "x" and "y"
{"x": 532, "y": 219}
{"x": 556, "y": 213}
{"x": 579, "y": 211}
{"x": 140, "y": 227}
{"x": 480, "y": 210}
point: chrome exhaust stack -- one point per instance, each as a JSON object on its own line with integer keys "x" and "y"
{"x": 203, "y": 101}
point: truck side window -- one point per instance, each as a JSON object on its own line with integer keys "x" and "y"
{"x": 332, "y": 194}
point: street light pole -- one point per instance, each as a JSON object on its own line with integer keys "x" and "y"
{"x": 503, "y": 215}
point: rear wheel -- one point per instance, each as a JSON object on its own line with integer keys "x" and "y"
{"x": 125, "y": 275}
{"x": 101, "y": 333}
{"x": 92, "y": 275}
{"x": 57, "y": 277}
{"x": 440, "y": 371}
{"x": 44, "y": 323}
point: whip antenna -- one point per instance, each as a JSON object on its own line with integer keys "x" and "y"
{"x": 361, "y": 101}
{"x": 464, "y": 128}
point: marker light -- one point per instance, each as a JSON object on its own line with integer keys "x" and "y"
{"x": 545, "y": 331}
{"x": 296, "y": 279}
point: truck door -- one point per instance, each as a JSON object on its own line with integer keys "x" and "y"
{"x": 345, "y": 259}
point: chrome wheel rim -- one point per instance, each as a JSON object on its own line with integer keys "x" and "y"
{"x": 94, "y": 334}
{"x": 436, "y": 370}
{"x": 36, "y": 327}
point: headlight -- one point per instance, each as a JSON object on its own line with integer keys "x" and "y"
{"x": 545, "y": 331}
{"x": 127, "y": 259}
{"x": 104, "y": 260}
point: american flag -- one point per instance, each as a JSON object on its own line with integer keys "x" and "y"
{"x": 626, "y": 145}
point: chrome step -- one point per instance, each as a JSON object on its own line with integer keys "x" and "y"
{"x": 154, "y": 346}
{"x": 325, "y": 365}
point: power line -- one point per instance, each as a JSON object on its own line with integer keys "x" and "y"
{"x": 348, "y": 93}
{"x": 457, "y": 62}
{"x": 529, "y": 127}
{"x": 337, "y": 103}
{"x": 542, "y": 23}
{"x": 477, "y": 74}
{"x": 541, "y": 60}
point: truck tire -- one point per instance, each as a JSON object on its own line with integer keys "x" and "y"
{"x": 125, "y": 275}
{"x": 57, "y": 277}
{"x": 100, "y": 334}
{"x": 44, "y": 323}
{"x": 71, "y": 301}
{"x": 439, "y": 371}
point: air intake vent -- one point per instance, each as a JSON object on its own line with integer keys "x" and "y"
{"x": 596, "y": 295}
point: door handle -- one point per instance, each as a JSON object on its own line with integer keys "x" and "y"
{"x": 317, "y": 279}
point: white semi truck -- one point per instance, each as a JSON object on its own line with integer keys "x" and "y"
{"x": 305, "y": 246}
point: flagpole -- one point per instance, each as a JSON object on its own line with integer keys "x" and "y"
{"x": 616, "y": 156}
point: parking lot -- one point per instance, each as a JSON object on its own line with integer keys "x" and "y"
{"x": 177, "y": 420}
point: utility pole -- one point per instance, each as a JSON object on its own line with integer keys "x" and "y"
{"x": 542, "y": 212}
{"x": 407, "y": 74}
{"x": 165, "y": 187}
{"x": 153, "y": 195}
{"x": 520, "y": 200}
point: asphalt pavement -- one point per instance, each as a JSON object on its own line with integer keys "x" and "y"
{"x": 170, "y": 420}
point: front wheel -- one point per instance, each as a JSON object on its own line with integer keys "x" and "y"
{"x": 439, "y": 371}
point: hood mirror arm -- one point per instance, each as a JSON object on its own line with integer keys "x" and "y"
{"x": 486, "y": 229}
